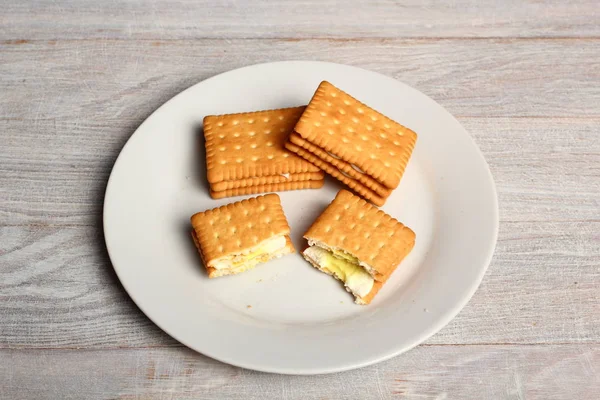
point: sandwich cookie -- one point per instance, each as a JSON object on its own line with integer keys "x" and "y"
{"x": 352, "y": 142}
{"x": 358, "y": 244}
{"x": 245, "y": 154}
{"x": 236, "y": 237}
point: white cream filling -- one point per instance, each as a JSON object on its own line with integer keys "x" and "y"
{"x": 333, "y": 155}
{"x": 345, "y": 174}
{"x": 357, "y": 169}
{"x": 269, "y": 246}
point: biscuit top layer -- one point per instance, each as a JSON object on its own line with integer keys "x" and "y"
{"x": 248, "y": 145}
{"x": 237, "y": 227}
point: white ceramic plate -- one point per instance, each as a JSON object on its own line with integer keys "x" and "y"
{"x": 285, "y": 316}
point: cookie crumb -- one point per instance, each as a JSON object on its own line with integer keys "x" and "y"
{"x": 248, "y": 306}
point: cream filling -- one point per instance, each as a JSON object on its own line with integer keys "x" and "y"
{"x": 357, "y": 169}
{"x": 344, "y": 267}
{"x": 345, "y": 174}
{"x": 333, "y": 155}
{"x": 269, "y": 246}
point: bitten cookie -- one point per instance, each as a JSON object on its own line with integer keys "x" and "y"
{"x": 358, "y": 244}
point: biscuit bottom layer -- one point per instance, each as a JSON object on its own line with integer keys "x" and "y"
{"x": 267, "y": 188}
{"x": 266, "y": 179}
{"x": 342, "y": 267}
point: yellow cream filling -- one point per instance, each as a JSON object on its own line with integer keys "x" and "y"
{"x": 347, "y": 257}
{"x": 345, "y": 267}
{"x": 267, "y": 247}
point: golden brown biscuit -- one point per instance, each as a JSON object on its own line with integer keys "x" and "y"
{"x": 247, "y": 150}
{"x": 238, "y": 236}
{"x": 365, "y": 238}
{"x": 367, "y": 146}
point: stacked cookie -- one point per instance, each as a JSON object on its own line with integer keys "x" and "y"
{"x": 245, "y": 154}
{"x": 287, "y": 149}
{"x": 362, "y": 148}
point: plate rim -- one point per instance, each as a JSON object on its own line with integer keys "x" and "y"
{"x": 434, "y": 328}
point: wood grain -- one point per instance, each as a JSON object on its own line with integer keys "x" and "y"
{"x": 78, "y": 77}
{"x": 191, "y": 19}
{"x": 427, "y": 372}
{"x": 546, "y": 170}
{"x": 97, "y": 80}
{"x": 58, "y": 290}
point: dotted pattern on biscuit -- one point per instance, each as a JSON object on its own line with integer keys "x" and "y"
{"x": 342, "y": 125}
{"x": 271, "y": 187}
{"x": 353, "y": 184}
{"x": 351, "y": 224}
{"x": 239, "y": 226}
{"x": 249, "y": 145}
{"x": 345, "y": 168}
{"x": 264, "y": 180}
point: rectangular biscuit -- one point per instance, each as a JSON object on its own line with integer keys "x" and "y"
{"x": 269, "y": 187}
{"x": 366, "y": 141}
{"x": 236, "y": 237}
{"x": 358, "y": 233}
{"x": 250, "y": 145}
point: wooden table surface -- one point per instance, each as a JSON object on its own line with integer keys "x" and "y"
{"x": 78, "y": 77}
